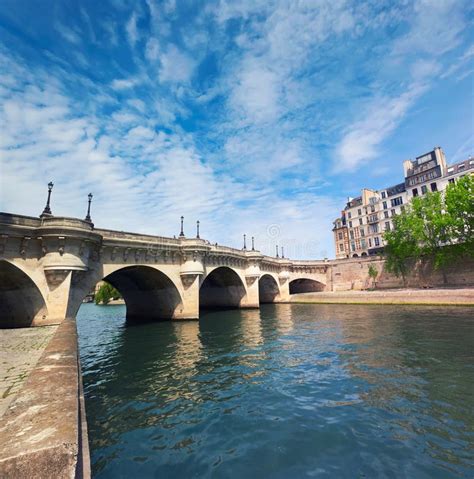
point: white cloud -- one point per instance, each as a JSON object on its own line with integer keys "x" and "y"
{"x": 152, "y": 50}
{"x": 256, "y": 94}
{"x": 68, "y": 34}
{"x": 431, "y": 32}
{"x": 176, "y": 66}
{"x": 380, "y": 118}
{"x": 132, "y": 31}
{"x": 124, "y": 83}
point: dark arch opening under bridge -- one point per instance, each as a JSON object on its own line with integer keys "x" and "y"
{"x": 148, "y": 293}
{"x": 305, "y": 285}
{"x": 21, "y": 301}
{"x": 222, "y": 288}
{"x": 268, "y": 290}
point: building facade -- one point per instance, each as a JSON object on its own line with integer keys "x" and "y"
{"x": 364, "y": 220}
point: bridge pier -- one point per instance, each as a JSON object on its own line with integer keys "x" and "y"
{"x": 251, "y": 299}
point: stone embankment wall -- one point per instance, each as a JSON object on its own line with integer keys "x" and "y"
{"x": 44, "y": 431}
{"x": 353, "y": 274}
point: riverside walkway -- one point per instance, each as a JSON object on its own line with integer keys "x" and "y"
{"x": 19, "y": 352}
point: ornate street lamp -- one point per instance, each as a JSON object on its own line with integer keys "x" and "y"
{"x": 47, "y": 208}
{"x": 277, "y": 251}
{"x": 282, "y": 253}
{"x": 253, "y": 243}
{"x": 181, "y": 234}
{"x": 245, "y": 242}
{"x": 88, "y": 216}
{"x": 197, "y": 229}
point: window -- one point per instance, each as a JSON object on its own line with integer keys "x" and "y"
{"x": 362, "y": 233}
{"x": 377, "y": 241}
{"x": 362, "y": 243}
{"x": 385, "y": 213}
{"x": 461, "y": 166}
{"x": 349, "y": 215}
{"x": 450, "y": 170}
{"x": 387, "y": 226}
{"x": 352, "y": 234}
{"x": 393, "y": 212}
{"x": 353, "y": 247}
{"x": 372, "y": 208}
{"x": 384, "y": 205}
{"x": 384, "y": 195}
{"x": 341, "y": 247}
{"x": 370, "y": 243}
{"x": 451, "y": 180}
{"x": 359, "y": 212}
{"x": 434, "y": 187}
{"x": 340, "y": 235}
{"x": 360, "y": 221}
{"x": 397, "y": 201}
{"x": 424, "y": 189}
{"x": 415, "y": 191}
{"x": 350, "y": 224}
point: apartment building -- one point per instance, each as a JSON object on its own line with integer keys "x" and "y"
{"x": 364, "y": 220}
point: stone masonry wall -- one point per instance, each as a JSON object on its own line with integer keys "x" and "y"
{"x": 353, "y": 274}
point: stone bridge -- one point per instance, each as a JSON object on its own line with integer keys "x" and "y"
{"x": 48, "y": 266}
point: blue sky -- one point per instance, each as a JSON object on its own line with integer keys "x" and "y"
{"x": 256, "y": 117}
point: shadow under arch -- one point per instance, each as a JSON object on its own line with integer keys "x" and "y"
{"x": 305, "y": 285}
{"x": 268, "y": 290}
{"x": 21, "y": 301}
{"x": 222, "y": 288}
{"x": 148, "y": 293}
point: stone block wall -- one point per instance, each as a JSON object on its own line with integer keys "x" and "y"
{"x": 353, "y": 274}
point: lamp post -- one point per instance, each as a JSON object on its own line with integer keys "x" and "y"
{"x": 88, "y": 216}
{"x": 245, "y": 242}
{"x": 181, "y": 234}
{"x": 47, "y": 208}
{"x": 277, "y": 251}
{"x": 253, "y": 243}
{"x": 282, "y": 253}
{"x": 197, "y": 229}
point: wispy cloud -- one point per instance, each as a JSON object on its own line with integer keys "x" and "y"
{"x": 132, "y": 30}
{"x": 176, "y": 66}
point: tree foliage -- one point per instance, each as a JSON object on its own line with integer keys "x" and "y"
{"x": 373, "y": 273}
{"x": 436, "y": 226}
{"x": 106, "y": 293}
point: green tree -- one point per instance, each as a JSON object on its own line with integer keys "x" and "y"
{"x": 373, "y": 272}
{"x": 106, "y": 293}
{"x": 459, "y": 201}
{"x": 402, "y": 243}
{"x": 436, "y": 227}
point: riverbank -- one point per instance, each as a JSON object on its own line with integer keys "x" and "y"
{"x": 44, "y": 429}
{"x": 435, "y": 297}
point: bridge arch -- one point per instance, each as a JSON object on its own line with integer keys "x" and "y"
{"x": 149, "y": 294}
{"x": 221, "y": 288}
{"x": 21, "y": 301}
{"x": 306, "y": 285}
{"x": 268, "y": 289}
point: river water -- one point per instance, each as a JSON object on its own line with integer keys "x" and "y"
{"x": 286, "y": 391}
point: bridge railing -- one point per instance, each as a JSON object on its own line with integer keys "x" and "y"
{"x": 124, "y": 235}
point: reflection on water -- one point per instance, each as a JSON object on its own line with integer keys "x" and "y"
{"x": 287, "y": 391}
